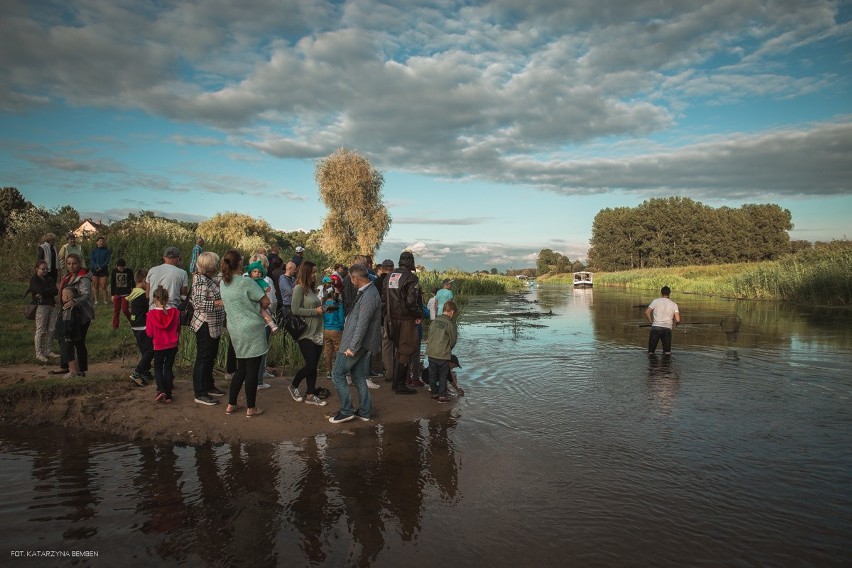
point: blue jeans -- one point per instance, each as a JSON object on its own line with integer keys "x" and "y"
{"x": 358, "y": 368}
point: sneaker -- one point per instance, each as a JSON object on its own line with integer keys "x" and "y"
{"x": 372, "y": 385}
{"x": 52, "y": 355}
{"x": 362, "y": 418}
{"x": 216, "y": 392}
{"x": 442, "y": 399}
{"x": 168, "y": 399}
{"x": 72, "y": 375}
{"x": 262, "y": 386}
{"x": 206, "y": 400}
{"x": 138, "y": 379}
{"x": 314, "y": 399}
{"x": 41, "y": 358}
{"x": 338, "y": 418}
{"x": 268, "y": 375}
{"x": 294, "y": 392}
{"x": 161, "y": 396}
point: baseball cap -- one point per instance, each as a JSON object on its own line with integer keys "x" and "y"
{"x": 387, "y": 263}
{"x": 300, "y": 249}
{"x": 171, "y": 252}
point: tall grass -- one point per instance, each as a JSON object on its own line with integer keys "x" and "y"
{"x": 471, "y": 284}
{"x": 816, "y": 276}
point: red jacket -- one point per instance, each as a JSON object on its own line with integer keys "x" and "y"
{"x": 163, "y": 326}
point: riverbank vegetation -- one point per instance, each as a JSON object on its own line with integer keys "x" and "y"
{"x": 818, "y": 275}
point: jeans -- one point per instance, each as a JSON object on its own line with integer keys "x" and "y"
{"x": 358, "y": 368}
{"x": 119, "y": 306}
{"x": 311, "y": 352}
{"x": 658, "y": 333}
{"x": 439, "y": 372}
{"x": 246, "y": 373}
{"x": 164, "y": 361}
{"x": 206, "y": 348}
{"x": 146, "y": 352}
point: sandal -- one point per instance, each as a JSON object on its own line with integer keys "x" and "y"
{"x": 256, "y": 412}
{"x": 233, "y": 410}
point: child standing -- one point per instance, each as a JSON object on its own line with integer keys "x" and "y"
{"x": 120, "y": 284}
{"x": 162, "y": 325}
{"x": 138, "y": 301}
{"x": 439, "y": 349}
{"x": 332, "y": 323}
{"x": 68, "y": 331}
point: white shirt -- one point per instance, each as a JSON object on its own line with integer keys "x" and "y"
{"x": 664, "y": 311}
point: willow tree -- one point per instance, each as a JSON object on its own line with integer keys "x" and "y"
{"x": 357, "y": 219}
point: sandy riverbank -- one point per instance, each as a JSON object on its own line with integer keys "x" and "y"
{"x": 118, "y": 407}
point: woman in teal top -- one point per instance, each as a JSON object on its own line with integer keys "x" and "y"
{"x": 306, "y": 304}
{"x": 242, "y": 299}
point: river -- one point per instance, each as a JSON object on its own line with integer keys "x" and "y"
{"x": 572, "y": 447}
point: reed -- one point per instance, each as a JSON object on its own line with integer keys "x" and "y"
{"x": 465, "y": 284}
{"x": 818, "y": 276}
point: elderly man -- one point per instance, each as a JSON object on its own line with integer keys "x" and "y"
{"x": 285, "y": 284}
{"x": 175, "y": 280}
{"x": 361, "y": 336}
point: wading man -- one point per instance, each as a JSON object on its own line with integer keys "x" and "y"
{"x": 663, "y": 315}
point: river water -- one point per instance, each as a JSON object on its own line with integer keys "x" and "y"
{"x": 572, "y": 447}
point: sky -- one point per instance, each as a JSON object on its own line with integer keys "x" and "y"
{"x": 501, "y": 128}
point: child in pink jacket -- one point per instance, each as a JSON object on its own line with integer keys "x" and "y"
{"x": 163, "y": 327}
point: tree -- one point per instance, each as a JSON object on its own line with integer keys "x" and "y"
{"x": 11, "y": 201}
{"x": 493, "y": 271}
{"x": 237, "y": 230}
{"x": 351, "y": 188}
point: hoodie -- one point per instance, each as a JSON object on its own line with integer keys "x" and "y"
{"x": 163, "y": 326}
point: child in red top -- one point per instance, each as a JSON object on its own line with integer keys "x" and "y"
{"x": 163, "y": 326}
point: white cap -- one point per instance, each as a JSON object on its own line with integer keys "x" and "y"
{"x": 300, "y": 249}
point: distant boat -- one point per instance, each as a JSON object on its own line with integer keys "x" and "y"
{"x": 583, "y": 279}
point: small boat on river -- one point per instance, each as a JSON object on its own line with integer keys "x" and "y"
{"x": 583, "y": 280}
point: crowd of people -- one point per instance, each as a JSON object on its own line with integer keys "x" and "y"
{"x": 365, "y": 321}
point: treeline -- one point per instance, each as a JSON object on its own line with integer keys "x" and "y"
{"x": 552, "y": 262}
{"x": 678, "y": 231}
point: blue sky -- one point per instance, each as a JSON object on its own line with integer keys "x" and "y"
{"x": 501, "y": 127}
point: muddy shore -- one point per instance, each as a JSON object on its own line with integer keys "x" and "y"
{"x": 118, "y": 407}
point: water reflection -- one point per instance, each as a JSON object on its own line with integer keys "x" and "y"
{"x": 328, "y": 500}
{"x": 663, "y": 382}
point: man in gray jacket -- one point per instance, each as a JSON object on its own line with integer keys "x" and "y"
{"x": 361, "y": 336}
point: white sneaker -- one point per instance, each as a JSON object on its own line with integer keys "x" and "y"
{"x": 52, "y": 355}
{"x": 41, "y": 358}
{"x": 262, "y": 386}
{"x": 314, "y": 399}
{"x": 294, "y": 392}
{"x": 268, "y": 375}
{"x": 372, "y": 385}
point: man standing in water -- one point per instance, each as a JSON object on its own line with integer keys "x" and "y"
{"x": 663, "y": 315}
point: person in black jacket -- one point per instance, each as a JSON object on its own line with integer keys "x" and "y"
{"x": 139, "y": 303}
{"x": 402, "y": 297}
{"x": 43, "y": 290}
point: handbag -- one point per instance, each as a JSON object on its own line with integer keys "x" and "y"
{"x": 30, "y": 311}
{"x": 187, "y": 310}
{"x": 294, "y": 325}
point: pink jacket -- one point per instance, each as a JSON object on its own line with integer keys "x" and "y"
{"x": 163, "y": 326}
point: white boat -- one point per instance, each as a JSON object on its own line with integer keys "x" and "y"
{"x": 583, "y": 279}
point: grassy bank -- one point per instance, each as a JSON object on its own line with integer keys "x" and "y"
{"x": 821, "y": 276}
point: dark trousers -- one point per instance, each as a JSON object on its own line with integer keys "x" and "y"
{"x": 146, "y": 352}
{"x": 231, "y": 358}
{"x": 311, "y": 353}
{"x": 246, "y": 372}
{"x": 77, "y": 351}
{"x": 206, "y": 348}
{"x": 164, "y": 361}
{"x": 439, "y": 372}
{"x": 657, "y": 334}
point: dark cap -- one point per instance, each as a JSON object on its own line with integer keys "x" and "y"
{"x": 171, "y": 252}
{"x": 455, "y": 361}
{"x": 387, "y": 263}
